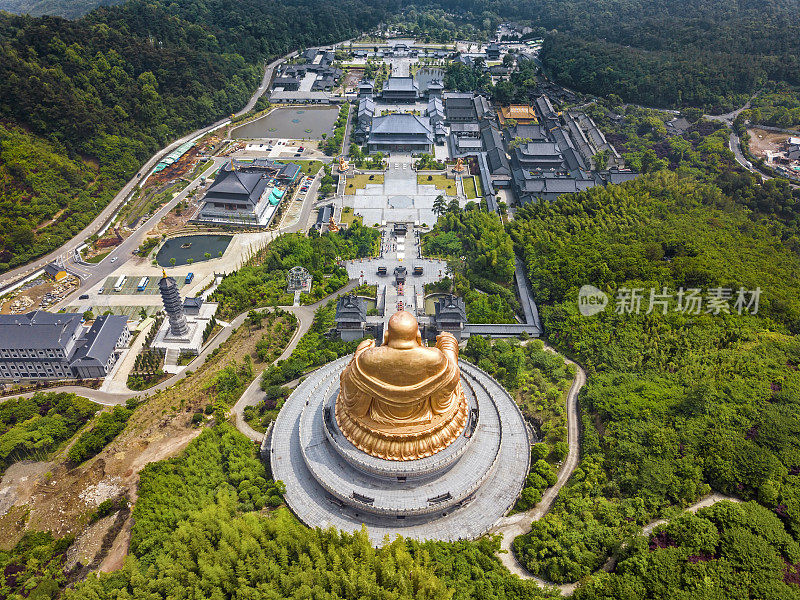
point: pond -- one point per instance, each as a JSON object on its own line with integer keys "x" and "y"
{"x": 192, "y": 246}
{"x": 290, "y": 123}
{"x": 427, "y": 74}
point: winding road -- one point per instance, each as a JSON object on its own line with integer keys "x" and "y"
{"x": 68, "y": 249}
{"x": 520, "y": 523}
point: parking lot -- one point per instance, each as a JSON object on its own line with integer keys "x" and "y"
{"x": 131, "y": 284}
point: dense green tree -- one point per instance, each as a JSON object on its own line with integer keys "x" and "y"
{"x": 35, "y": 427}
{"x": 677, "y": 403}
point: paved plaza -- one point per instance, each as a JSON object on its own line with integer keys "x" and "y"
{"x": 325, "y": 488}
{"x": 397, "y": 251}
{"x": 400, "y": 199}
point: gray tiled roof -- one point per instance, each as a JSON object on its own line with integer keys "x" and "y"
{"x": 101, "y": 339}
{"x": 498, "y": 162}
{"x": 461, "y": 113}
{"x": 400, "y": 84}
{"x": 539, "y": 149}
{"x": 38, "y": 330}
{"x": 458, "y": 100}
{"x": 351, "y": 309}
{"x": 400, "y": 124}
{"x": 533, "y": 132}
{"x": 490, "y": 136}
{"x": 324, "y": 215}
{"x": 465, "y": 128}
{"x": 236, "y": 185}
{"x": 451, "y": 308}
{"x": 467, "y": 143}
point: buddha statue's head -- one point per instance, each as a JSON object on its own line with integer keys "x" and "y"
{"x": 402, "y": 332}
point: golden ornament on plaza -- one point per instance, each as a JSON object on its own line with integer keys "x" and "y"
{"x": 402, "y": 400}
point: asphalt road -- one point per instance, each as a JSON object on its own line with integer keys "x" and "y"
{"x": 98, "y": 272}
{"x": 68, "y": 249}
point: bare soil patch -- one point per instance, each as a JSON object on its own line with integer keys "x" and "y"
{"x": 762, "y": 141}
{"x": 55, "y": 496}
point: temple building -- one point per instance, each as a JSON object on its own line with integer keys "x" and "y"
{"x": 400, "y": 133}
{"x": 553, "y": 154}
{"x": 366, "y": 88}
{"x": 402, "y": 90}
{"x": 364, "y": 116}
{"x": 101, "y": 347}
{"x": 460, "y": 108}
{"x": 246, "y": 193}
{"x": 451, "y": 315}
{"x": 435, "y": 89}
{"x": 351, "y": 318}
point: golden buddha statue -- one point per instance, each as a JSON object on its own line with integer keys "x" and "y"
{"x": 402, "y": 400}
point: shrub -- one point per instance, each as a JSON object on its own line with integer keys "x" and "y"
{"x": 108, "y": 426}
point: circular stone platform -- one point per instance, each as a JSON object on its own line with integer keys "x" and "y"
{"x": 458, "y": 493}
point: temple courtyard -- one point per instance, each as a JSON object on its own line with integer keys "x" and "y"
{"x": 400, "y": 198}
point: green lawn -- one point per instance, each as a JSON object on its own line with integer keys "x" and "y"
{"x": 440, "y": 181}
{"x": 98, "y": 258}
{"x": 347, "y": 216}
{"x": 469, "y": 188}
{"x": 307, "y": 167}
{"x": 359, "y": 182}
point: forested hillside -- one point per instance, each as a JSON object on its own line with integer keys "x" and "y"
{"x": 197, "y": 535}
{"x": 69, "y": 9}
{"x": 708, "y": 53}
{"x": 101, "y": 94}
{"x": 481, "y": 256}
{"x": 678, "y": 402}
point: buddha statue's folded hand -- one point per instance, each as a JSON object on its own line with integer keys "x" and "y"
{"x": 447, "y": 343}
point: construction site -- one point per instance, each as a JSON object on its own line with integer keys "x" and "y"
{"x": 779, "y": 149}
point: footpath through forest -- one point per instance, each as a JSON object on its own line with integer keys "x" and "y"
{"x": 520, "y": 523}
